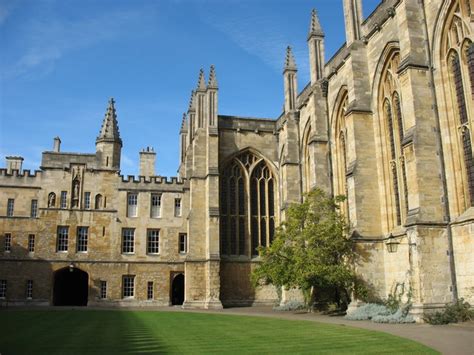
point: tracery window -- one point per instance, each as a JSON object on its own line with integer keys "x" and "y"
{"x": 247, "y": 205}
{"x": 458, "y": 65}
{"x": 392, "y": 136}
{"x": 341, "y": 155}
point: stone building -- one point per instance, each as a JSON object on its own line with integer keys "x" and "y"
{"x": 387, "y": 121}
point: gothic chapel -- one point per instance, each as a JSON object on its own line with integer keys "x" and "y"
{"x": 387, "y": 121}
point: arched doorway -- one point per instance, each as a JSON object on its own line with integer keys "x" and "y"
{"x": 177, "y": 290}
{"x": 71, "y": 287}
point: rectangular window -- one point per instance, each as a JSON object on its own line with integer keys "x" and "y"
{"x": 29, "y": 289}
{"x": 10, "y": 207}
{"x": 82, "y": 235}
{"x": 132, "y": 202}
{"x": 103, "y": 290}
{"x": 128, "y": 241}
{"x": 155, "y": 206}
{"x": 153, "y": 241}
{"x": 63, "y": 238}
{"x": 8, "y": 242}
{"x": 31, "y": 243}
{"x": 3, "y": 288}
{"x": 87, "y": 200}
{"x": 128, "y": 286}
{"x": 183, "y": 243}
{"x": 63, "y": 202}
{"x": 177, "y": 207}
{"x": 149, "y": 291}
{"x": 34, "y": 208}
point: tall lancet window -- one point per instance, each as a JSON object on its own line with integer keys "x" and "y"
{"x": 457, "y": 60}
{"x": 341, "y": 154}
{"x": 247, "y": 205}
{"x": 307, "y": 161}
{"x": 392, "y": 138}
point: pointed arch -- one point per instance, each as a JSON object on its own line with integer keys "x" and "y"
{"x": 248, "y": 201}
{"x": 308, "y": 163}
{"x": 339, "y": 148}
{"x": 391, "y": 132}
{"x": 454, "y": 56}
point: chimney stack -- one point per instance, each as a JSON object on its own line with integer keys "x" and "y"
{"x": 147, "y": 162}
{"x": 57, "y": 145}
{"x": 14, "y": 163}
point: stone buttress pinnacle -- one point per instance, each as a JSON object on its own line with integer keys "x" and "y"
{"x": 212, "y": 78}
{"x": 290, "y": 63}
{"x": 201, "y": 81}
{"x": 315, "y": 28}
{"x": 110, "y": 130}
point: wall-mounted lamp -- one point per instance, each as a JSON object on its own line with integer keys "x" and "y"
{"x": 392, "y": 244}
{"x": 71, "y": 267}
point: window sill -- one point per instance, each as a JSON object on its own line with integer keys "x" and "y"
{"x": 81, "y": 252}
{"x": 128, "y": 254}
{"x": 61, "y": 251}
{"x": 153, "y": 254}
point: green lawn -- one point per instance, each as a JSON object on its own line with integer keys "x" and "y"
{"x": 104, "y": 332}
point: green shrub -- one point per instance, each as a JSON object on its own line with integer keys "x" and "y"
{"x": 459, "y": 311}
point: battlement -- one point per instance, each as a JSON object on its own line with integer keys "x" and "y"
{"x": 152, "y": 183}
{"x": 152, "y": 180}
{"x": 20, "y": 174}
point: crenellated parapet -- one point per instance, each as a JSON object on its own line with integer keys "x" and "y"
{"x": 152, "y": 183}
{"x": 23, "y": 174}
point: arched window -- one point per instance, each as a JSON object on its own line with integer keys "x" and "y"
{"x": 457, "y": 59}
{"x": 247, "y": 205}
{"x": 307, "y": 161}
{"x": 341, "y": 154}
{"x": 98, "y": 201}
{"x": 392, "y": 138}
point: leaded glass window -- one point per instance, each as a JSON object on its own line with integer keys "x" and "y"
{"x": 392, "y": 119}
{"x": 247, "y": 205}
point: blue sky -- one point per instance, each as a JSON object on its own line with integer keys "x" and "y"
{"x": 60, "y": 61}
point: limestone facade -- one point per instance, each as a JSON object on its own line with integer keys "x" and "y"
{"x": 387, "y": 121}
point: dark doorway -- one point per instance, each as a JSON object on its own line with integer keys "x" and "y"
{"x": 177, "y": 290}
{"x": 70, "y": 287}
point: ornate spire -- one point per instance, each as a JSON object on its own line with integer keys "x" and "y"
{"x": 201, "y": 80}
{"x": 110, "y": 130}
{"x": 191, "y": 101}
{"x": 315, "y": 28}
{"x": 212, "y": 78}
{"x": 290, "y": 63}
{"x": 184, "y": 126}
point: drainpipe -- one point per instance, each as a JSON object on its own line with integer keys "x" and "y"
{"x": 439, "y": 144}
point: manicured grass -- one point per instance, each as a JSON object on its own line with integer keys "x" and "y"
{"x": 105, "y": 332}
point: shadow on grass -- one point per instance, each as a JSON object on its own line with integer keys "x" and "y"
{"x": 76, "y": 332}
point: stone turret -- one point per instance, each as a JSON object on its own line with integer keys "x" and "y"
{"x": 108, "y": 143}
{"x": 316, "y": 48}
{"x": 290, "y": 82}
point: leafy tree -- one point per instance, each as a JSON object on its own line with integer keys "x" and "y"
{"x": 311, "y": 249}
